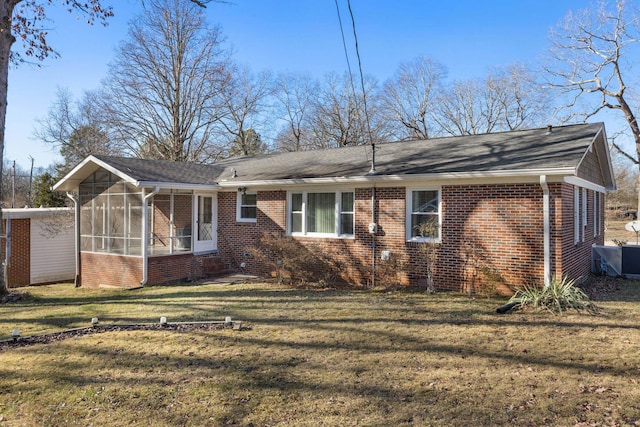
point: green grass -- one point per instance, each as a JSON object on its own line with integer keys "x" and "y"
{"x": 319, "y": 358}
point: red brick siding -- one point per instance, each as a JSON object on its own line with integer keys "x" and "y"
{"x": 182, "y": 210}
{"x": 19, "y": 271}
{"x": 491, "y": 229}
{"x": 171, "y": 268}
{"x": 492, "y": 235}
{"x": 573, "y": 260}
{"x": 161, "y": 220}
{"x": 109, "y": 270}
{"x": 115, "y": 270}
{"x": 501, "y": 224}
{"x": 182, "y": 205}
{"x": 236, "y": 238}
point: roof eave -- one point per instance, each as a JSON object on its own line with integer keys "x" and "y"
{"x": 177, "y": 186}
{"x": 372, "y": 179}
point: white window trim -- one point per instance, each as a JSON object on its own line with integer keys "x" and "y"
{"x": 409, "y": 210}
{"x": 239, "y": 208}
{"x": 338, "y": 211}
{"x": 576, "y": 215}
{"x": 585, "y": 218}
{"x": 596, "y": 213}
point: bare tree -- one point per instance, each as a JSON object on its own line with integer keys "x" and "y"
{"x": 507, "y": 99}
{"x": 460, "y": 109}
{"x": 295, "y": 95}
{"x": 407, "y": 98}
{"x": 23, "y": 19}
{"x": 243, "y": 105}
{"x": 338, "y": 118}
{"x": 520, "y": 101}
{"x": 622, "y": 200}
{"x": 164, "y": 86}
{"x": 76, "y": 128}
{"x": 591, "y": 55}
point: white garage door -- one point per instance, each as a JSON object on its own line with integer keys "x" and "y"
{"x": 52, "y": 249}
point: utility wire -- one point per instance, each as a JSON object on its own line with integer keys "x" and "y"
{"x": 364, "y": 92}
{"x": 353, "y": 88}
{"x": 344, "y": 45}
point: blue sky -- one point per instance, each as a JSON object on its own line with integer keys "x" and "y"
{"x": 468, "y": 37}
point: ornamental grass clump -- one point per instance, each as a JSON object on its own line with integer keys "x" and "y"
{"x": 560, "y": 295}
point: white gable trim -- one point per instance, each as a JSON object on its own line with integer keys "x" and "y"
{"x": 580, "y": 182}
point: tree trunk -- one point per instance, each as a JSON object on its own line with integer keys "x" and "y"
{"x": 638, "y": 211}
{"x": 6, "y": 41}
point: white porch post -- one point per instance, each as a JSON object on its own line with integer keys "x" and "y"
{"x": 145, "y": 234}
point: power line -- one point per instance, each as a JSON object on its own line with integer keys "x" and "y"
{"x": 364, "y": 92}
{"x": 346, "y": 53}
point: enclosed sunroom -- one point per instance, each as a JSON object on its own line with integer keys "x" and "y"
{"x": 128, "y": 223}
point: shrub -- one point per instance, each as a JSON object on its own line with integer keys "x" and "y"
{"x": 560, "y": 295}
{"x": 292, "y": 263}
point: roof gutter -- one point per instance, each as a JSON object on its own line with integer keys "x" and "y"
{"x": 145, "y": 234}
{"x": 532, "y": 174}
{"x": 177, "y": 185}
{"x": 546, "y": 229}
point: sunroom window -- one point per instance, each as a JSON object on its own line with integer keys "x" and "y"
{"x": 111, "y": 215}
{"x": 323, "y": 214}
{"x": 423, "y": 219}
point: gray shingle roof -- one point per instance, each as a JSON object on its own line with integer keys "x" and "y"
{"x": 533, "y": 149}
{"x": 516, "y": 150}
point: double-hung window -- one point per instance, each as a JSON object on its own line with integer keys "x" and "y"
{"x": 322, "y": 213}
{"x": 423, "y": 215}
{"x": 246, "y": 209}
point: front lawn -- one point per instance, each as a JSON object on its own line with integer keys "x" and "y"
{"x": 318, "y": 358}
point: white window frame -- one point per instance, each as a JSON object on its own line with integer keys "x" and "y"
{"x": 337, "y": 215}
{"x": 585, "y": 218}
{"x": 596, "y": 213}
{"x": 409, "y": 212}
{"x": 239, "y": 207}
{"x": 576, "y": 215}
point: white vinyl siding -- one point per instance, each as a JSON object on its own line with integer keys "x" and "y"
{"x": 52, "y": 250}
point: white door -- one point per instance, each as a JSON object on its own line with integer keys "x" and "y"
{"x": 206, "y": 223}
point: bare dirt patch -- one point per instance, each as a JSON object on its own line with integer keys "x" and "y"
{"x": 79, "y": 332}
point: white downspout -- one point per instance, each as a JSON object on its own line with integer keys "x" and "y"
{"x": 373, "y": 232}
{"x": 145, "y": 234}
{"x": 546, "y": 229}
{"x": 76, "y": 228}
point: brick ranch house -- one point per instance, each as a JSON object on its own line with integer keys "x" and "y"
{"x": 503, "y": 209}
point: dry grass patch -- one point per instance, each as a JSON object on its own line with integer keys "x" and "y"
{"x": 310, "y": 358}
{"x": 614, "y": 230}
